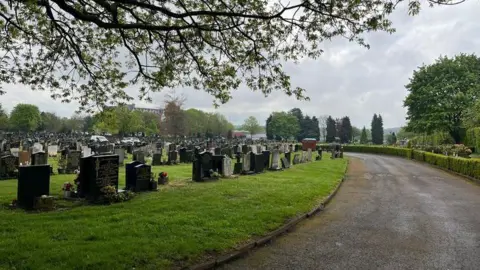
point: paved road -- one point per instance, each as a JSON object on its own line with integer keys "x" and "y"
{"x": 390, "y": 213}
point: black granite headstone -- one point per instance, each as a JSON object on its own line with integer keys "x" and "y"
{"x": 8, "y": 165}
{"x": 33, "y": 181}
{"x": 138, "y": 177}
{"x": 157, "y": 159}
{"x": 97, "y": 172}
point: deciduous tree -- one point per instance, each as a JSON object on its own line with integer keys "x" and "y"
{"x": 3, "y": 119}
{"x": 283, "y": 125}
{"x": 25, "y": 117}
{"x": 251, "y": 125}
{"x": 440, "y": 93}
{"x": 92, "y": 50}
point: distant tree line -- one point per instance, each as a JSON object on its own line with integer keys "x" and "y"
{"x": 292, "y": 125}
{"x": 119, "y": 120}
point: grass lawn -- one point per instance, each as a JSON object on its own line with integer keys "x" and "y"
{"x": 179, "y": 225}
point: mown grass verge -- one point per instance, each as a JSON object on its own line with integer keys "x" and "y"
{"x": 464, "y": 166}
{"x": 177, "y": 226}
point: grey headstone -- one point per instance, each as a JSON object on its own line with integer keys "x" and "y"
{"x": 227, "y": 166}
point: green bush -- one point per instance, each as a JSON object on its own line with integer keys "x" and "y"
{"x": 468, "y": 167}
{"x": 472, "y": 138}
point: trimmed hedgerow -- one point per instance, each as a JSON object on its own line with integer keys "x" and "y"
{"x": 468, "y": 167}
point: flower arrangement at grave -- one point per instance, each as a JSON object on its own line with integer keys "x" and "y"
{"x": 68, "y": 188}
{"x": 110, "y": 195}
{"x": 163, "y": 178}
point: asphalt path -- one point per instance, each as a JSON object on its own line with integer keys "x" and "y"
{"x": 390, "y": 213}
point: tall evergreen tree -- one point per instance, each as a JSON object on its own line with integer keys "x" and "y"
{"x": 268, "y": 128}
{"x": 377, "y": 129}
{"x": 346, "y": 130}
{"x": 374, "y": 129}
{"x": 331, "y": 129}
{"x": 380, "y": 129}
{"x": 363, "y": 137}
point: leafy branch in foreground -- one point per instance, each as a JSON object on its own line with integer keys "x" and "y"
{"x": 92, "y": 50}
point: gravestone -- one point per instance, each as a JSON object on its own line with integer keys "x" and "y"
{"x": 33, "y": 181}
{"x": 296, "y": 159}
{"x": 39, "y": 158}
{"x": 24, "y": 158}
{"x": 157, "y": 159}
{"x": 182, "y": 152}
{"x": 245, "y": 149}
{"x": 172, "y": 157}
{"x": 309, "y": 155}
{"x": 130, "y": 149}
{"x": 319, "y": 154}
{"x": 253, "y": 149}
{"x": 303, "y": 157}
{"x": 246, "y": 163}
{"x": 121, "y": 155}
{"x": 73, "y": 161}
{"x": 14, "y": 151}
{"x": 266, "y": 159}
{"x": 97, "y": 172}
{"x": 285, "y": 163}
{"x": 139, "y": 156}
{"x": 238, "y": 166}
{"x": 86, "y": 151}
{"x": 288, "y": 156}
{"x": 217, "y": 151}
{"x": 227, "y": 166}
{"x": 138, "y": 176}
{"x": 297, "y": 148}
{"x": 8, "y": 165}
{"x": 257, "y": 163}
{"x": 275, "y": 160}
{"x": 37, "y": 147}
{"x": 202, "y": 166}
{"x": 52, "y": 150}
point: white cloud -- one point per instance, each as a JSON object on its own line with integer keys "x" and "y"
{"x": 346, "y": 80}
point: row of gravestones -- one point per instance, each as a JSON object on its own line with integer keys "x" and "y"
{"x": 10, "y": 164}
{"x": 96, "y": 172}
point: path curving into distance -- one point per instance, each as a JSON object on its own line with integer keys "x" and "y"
{"x": 390, "y": 213}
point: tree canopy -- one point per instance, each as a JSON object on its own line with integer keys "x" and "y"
{"x": 440, "y": 93}
{"x": 377, "y": 129}
{"x": 251, "y": 125}
{"x": 363, "y": 136}
{"x": 283, "y": 125}
{"x": 3, "y": 119}
{"x": 25, "y": 117}
{"x": 331, "y": 130}
{"x": 92, "y": 50}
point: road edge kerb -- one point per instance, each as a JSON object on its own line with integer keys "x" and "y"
{"x": 247, "y": 248}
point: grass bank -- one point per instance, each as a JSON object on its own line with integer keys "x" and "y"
{"x": 181, "y": 224}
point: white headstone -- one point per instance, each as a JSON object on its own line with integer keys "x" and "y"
{"x": 275, "y": 159}
{"x": 309, "y": 155}
{"x": 52, "y": 150}
{"x": 227, "y": 166}
{"x": 37, "y": 147}
{"x": 121, "y": 155}
{"x": 14, "y": 151}
{"x": 86, "y": 151}
{"x": 246, "y": 162}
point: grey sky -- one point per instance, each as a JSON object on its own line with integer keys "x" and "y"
{"x": 346, "y": 80}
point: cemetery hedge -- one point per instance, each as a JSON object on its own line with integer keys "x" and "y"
{"x": 465, "y": 166}
{"x": 182, "y": 224}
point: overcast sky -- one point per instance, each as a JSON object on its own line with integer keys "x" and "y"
{"x": 347, "y": 80}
